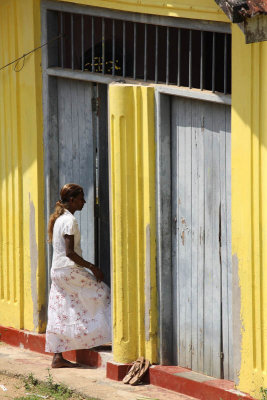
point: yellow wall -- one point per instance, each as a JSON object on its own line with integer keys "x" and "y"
{"x": 133, "y": 222}
{"x": 249, "y": 204}
{"x": 22, "y": 272}
{"x": 197, "y": 9}
{"x": 22, "y": 231}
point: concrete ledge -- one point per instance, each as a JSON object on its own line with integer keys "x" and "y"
{"x": 36, "y": 342}
{"x": 184, "y": 381}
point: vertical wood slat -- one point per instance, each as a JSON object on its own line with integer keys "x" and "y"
{"x": 103, "y": 47}
{"x": 225, "y": 65}
{"x": 134, "y": 65}
{"x": 179, "y": 59}
{"x": 201, "y": 60}
{"x": 145, "y": 54}
{"x": 190, "y": 60}
{"x": 227, "y": 281}
{"x": 76, "y": 155}
{"x": 156, "y": 53}
{"x": 175, "y": 232}
{"x": 168, "y": 55}
{"x": 218, "y": 129}
{"x": 113, "y": 47}
{"x": 82, "y": 40}
{"x": 93, "y": 42}
{"x": 61, "y": 40}
{"x": 72, "y": 40}
{"x": 200, "y": 281}
{"x": 213, "y": 62}
{"x": 209, "y": 208}
{"x": 123, "y": 49}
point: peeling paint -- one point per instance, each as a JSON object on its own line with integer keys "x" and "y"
{"x": 147, "y": 285}
{"x": 182, "y": 237}
{"x": 34, "y": 263}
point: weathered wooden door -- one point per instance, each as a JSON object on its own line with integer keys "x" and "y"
{"x": 83, "y": 159}
{"x": 201, "y": 236}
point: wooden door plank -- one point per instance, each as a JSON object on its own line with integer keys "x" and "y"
{"x": 229, "y": 350}
{"x": 175, "y": 232}
{"x": 186, "y": 224}
{"x": 86, "y": 169}
{"x": 201, "y": 241}
{"x": 208, "y": 212}
{"x": 195, "y": 231}
{"x": 218, "y": 129}
{"x": 182, "y": 262}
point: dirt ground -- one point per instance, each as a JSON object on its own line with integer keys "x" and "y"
{"x": 20, "y": 388}
{"x": 15, "y": 387}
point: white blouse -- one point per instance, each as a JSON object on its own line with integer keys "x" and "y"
{"x": 66, "y": 224}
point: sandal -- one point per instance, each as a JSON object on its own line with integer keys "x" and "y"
{"x": 135, "y": 369}
{"x": 140, "y": 373}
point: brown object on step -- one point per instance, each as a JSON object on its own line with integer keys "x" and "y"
{"x": 134, "y": 370}
{"x": 140, "y": 373}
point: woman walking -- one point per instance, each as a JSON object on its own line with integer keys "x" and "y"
{"x": 79, "y": 302}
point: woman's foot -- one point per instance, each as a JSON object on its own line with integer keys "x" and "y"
{"x": 60, "y": 362}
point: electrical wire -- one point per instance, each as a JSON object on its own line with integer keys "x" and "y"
{"x": 29, "y": 52}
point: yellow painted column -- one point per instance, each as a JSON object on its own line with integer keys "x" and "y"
{"x": 22, "y": 262}
{"x": 132, "y": 143}
{"x": 249, "y": 207}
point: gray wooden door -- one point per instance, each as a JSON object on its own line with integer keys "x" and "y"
{"x": 76, "y": 153}
{"x": 201, "y": 236}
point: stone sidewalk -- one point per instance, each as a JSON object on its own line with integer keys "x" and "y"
{"x": 87, "y": 381}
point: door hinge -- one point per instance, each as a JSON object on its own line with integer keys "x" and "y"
{"x": 222, "y": 356}
{"x": 96, "y": 104}
{"x": 97, "y": 211}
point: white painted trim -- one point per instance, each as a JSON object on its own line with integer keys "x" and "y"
{"x": 194, "y": 94}
{"x": 159, "y": 88}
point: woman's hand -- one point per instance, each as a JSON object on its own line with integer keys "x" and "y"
{"x": 69, "y": 243}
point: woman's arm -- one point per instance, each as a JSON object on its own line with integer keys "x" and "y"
{"x": 69, "y": 244}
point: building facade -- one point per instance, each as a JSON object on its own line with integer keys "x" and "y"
{"x": 158, "y": 110}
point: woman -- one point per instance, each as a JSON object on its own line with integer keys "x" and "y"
{"x": 79, "y": 303}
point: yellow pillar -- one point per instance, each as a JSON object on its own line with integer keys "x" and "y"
{"x": 131, "y": 114}
{"x": 22, "y": 262}
{"x": 249, "y": 206}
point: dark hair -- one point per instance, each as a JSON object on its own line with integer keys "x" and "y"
{"x": 68, "y": 191}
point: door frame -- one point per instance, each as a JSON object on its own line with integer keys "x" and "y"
{"x": 164, "y": 209}
{"x": 50, "y": 125}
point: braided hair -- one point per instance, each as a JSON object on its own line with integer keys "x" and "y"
{"x": 68, "y": 191}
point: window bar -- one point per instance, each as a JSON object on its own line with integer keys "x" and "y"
{"x": 225, "y": 64}
{"x": 201, "y": 59}
{"x": 123, "y": 49}
{"x": 168, "y": 55}
{"x": 82, "y": 40}
{"x": 61, "y": 40}
{"x": 190, "y": 59}
{"x": 179, "y": 59}
{"x": 213, "y": 62}
{"x": 134, "y": 65}
{"x": 156, "y": 53}
{"x": 145, "y": 54}
{"x": 93, "y": 43}
{"x": 103, "y": 46}
{"x": 72, "y": 42}
{"x": 113, "y": 48}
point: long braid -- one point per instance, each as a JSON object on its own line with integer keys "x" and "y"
{"x": 69, "y": 190}
{"x": 59, "y": 210}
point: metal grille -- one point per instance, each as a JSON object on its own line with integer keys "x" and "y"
{"x": 145, "y": 52}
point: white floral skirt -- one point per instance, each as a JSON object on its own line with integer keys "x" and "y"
{"x": 79, "y": 314}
